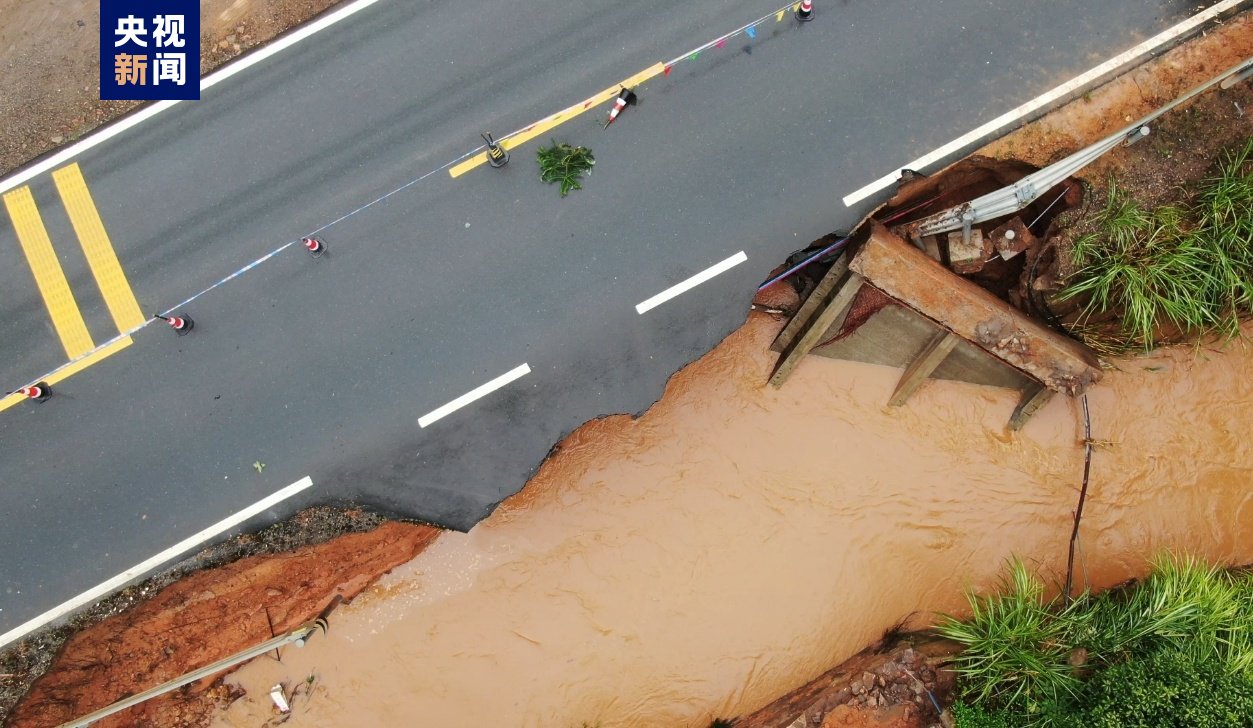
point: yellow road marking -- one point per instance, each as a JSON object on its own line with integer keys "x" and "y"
{"x": 96, "y": 246}
{"x": 558, "y": 118}
{"x": 58, "y": 298}
{"x": 72, "y": 368}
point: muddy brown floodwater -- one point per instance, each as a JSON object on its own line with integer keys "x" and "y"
{"x": 738, "y": 540}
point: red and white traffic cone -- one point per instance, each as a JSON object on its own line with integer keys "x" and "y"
{"x": 626, "y": 98}
{"x": 805, "y": 12}
{"x": 182, "y": 323}
{"x": 315, "y": 247}
{"x": 39, "y": 391}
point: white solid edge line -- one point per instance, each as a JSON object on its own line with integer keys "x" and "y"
{"x": 212, "y": 79}
{"x": 691, "y": 283}
{"x": 1041, "y": 101}
{"x": 479, "y": 391}
{"x": 144, "y": 567}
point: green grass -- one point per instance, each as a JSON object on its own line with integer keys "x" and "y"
{"x": 1186, "y": 265}
{"x": 1184, "y": 605}
{"x": 1225, "y": 212}
{"x": 1018, "y": 645}
{"x": 564, "y": 164}
{"x": 1163, "y": 689}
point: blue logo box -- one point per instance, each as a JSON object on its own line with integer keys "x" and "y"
{"x": 149, "y": 49}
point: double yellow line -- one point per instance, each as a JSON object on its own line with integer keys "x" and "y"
{"x": 67, "y": 317}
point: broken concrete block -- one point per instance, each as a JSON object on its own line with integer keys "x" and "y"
{"x": 968, "y": 257}
{"x": 1012, "y": 238}
{"x": 932, "y": 245}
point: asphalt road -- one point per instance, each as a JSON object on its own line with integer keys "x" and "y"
{"x": 323, "y": 367}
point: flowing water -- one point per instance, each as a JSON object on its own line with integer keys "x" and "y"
{"x": 738, "y": 540}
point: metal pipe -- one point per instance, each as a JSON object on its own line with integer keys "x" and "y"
{"x": 802, "y": 264}
{"x": 298, "y": 636}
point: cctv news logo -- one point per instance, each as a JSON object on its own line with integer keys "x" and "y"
{"x": 149, "y": 49}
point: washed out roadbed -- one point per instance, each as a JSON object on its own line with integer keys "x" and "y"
{"x": 1184, "y": 147}
{"x": 225, "y": 599}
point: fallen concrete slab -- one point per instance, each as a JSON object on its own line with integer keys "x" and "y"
{"x": 909, "y": 276}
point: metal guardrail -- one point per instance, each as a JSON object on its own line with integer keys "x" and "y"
{"x": 298, "y": 636}
{"x": 1013, "y": 198}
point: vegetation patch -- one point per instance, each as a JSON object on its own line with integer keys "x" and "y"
{"x": 1184, "y": 267}
{"x": 1163, "y": 652}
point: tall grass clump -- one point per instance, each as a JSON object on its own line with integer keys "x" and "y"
{"x": 1184, "y": 605}
{"x": 1029, "y": 659}
{"x": 1017, "y": 645}
{"x": 1225, "y": 212}
{"x": 1186, "y": 265}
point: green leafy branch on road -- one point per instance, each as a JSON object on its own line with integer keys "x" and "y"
{"x": 565, "y": 164}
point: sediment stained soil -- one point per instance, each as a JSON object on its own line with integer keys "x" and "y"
{"x": 738, "y": 540}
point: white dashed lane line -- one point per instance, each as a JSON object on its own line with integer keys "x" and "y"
{"x": 691, "y": 283}
{"x": 476, "y": 393}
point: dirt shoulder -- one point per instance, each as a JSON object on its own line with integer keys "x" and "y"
{"x": 1184, "y": 144}
{"x": 164, "y": 630}
{"x": 48, "y": 53}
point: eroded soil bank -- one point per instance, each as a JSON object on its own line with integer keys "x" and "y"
{"x": 203, "y": 618}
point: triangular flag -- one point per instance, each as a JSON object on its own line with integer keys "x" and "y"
{"x": 722, "y": 42}
{"x": 666, "y": 71}
{"x": 796, "y": 6}
{"x": 778, "y": 17}
{"x": 751, "y": 31}
{"x": 693, "y": 56}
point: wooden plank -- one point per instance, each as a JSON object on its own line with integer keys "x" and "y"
{"x": 835, "y": 311}
{"x": 1034, "y": 396}
{"x": 925, "y": 363}
{"x": 809, "y": 308}
{"x": 909, "y": 276}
